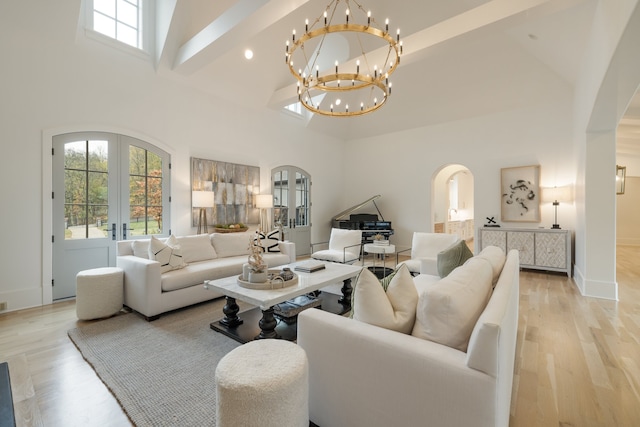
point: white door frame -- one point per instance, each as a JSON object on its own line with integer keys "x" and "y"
{"x": 47, "y": 190}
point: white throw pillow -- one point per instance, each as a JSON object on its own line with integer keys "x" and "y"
{"x": 448, "y": 310}
{"x": 140, "y": 248}
{"x": 394, "y": 309}
{"x": 196, "y": 248}
{"x": 496, "y": 257}
{"x": 231, "y": 244}
{"x": 168, "y": 255}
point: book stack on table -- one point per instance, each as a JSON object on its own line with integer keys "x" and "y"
{"x": 309, "y": 266}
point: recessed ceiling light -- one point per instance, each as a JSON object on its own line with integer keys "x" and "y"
{"x": 248, "y": 54}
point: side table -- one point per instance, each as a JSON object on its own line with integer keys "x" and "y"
{"x": 383, "y": 250}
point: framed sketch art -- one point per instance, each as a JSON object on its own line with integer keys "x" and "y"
{"x": 520, "y": 194}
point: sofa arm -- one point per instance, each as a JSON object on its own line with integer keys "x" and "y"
{"x": 288, "y": 248}
{"x": 142, "y": 284}
{"x": 360, "y": 374}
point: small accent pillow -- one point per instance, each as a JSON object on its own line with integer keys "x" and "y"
{"x": 452, "y": 257}
{"x": 269, "y": 241}
{"x": 168, "y": 255}
{"x": 392, "y": 308}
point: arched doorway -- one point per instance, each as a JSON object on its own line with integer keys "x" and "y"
{"x": 452, "y": 209}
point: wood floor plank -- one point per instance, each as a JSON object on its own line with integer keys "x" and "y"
{"x": 577, "y": 358}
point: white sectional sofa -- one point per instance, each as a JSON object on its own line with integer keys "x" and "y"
{"x": 365, "y": 375}
{"x": 152, "y": 292}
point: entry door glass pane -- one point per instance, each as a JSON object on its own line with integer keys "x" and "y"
{"x": 281, "y": 198}
{"x": 302, "y": 199}
{"x": 145, "y": 192}
{"x": 86, "y": 189}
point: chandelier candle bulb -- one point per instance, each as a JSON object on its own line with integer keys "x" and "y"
{"x": 294, "y": 35}
{"x": 306, "y": 26}
{"x": 325, "y": 18}
{"x": 347, "y": 16}
{"x": 398, "y": 36}
{"x": 386, "y": 25}
{"x": 336, "y": 67}
{"x": 368, "y": 18}
{"x": 358, "y": 66}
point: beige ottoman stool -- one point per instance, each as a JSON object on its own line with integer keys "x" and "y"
{"x": 99, "y": 292}
{"x": 263, "y": 383}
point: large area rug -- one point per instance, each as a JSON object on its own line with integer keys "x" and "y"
{"x": 161, "y": 372}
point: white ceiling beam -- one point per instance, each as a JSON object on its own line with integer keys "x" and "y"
{"x": 165, "y": 13}
{"x": 473, "y": 20}
{"x": 239, "y": 23}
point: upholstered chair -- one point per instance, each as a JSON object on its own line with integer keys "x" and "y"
{"x": 424, "y": 251}
{"x": 345, "y": 246}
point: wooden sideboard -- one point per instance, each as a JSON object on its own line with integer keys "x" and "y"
{"x": 540, "y": 249}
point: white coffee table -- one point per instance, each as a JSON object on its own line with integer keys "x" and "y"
{"x": 245, "y": 329}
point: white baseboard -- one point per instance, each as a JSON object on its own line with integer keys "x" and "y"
{"x": 594, "y": 288}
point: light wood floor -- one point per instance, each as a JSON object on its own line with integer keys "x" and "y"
{"x": 577, "y": 359}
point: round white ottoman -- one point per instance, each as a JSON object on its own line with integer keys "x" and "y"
{"x": 99, "y": 292}
{"x": 263, "y": 383}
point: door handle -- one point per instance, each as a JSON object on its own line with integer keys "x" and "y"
{"x": 113, "y": 231}
{"x": 124, "y": 230}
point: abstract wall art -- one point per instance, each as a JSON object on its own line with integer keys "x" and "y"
{"x": 520, "y": 194}
{"x": 233, "y": 185}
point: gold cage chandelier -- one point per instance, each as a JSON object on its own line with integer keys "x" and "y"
{"x": 355, "y": 87}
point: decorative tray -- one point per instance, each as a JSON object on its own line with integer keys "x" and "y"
{"x": 274, "y": 282}
{"x": 230, "y": 230}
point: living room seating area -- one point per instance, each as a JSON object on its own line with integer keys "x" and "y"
{"x": 363, "y": 374}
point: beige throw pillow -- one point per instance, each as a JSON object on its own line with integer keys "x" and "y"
{"x": 448, "y": 310}
{"x": 394, "y": 309}
{"x": 168, "y": 255}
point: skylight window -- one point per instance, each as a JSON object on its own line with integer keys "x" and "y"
{"x": 296, "y": 108}
{"x": 119, "y": 19}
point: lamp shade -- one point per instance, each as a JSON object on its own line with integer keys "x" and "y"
{"x": 557, "y": 194}
{"x": 264, "y": 201}
{"x": 202, "y": 199}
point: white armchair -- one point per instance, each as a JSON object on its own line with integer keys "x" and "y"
{"x": 345, "y": 246}
{"x": 424, "y": 251}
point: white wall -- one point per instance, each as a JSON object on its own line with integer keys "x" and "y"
{"x": 628, "y": 212}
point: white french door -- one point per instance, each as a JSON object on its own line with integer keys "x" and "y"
{"x": 292, "y": 205}
{"x": 106, "y": 187}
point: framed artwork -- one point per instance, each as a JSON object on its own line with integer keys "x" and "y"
{"x": 520, "y": 194}
{"x": 233, "y": 186}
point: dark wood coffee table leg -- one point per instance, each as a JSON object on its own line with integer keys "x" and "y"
{"x": 230, "y": 310}
{"x": 267, "y": 325}
{"x": 345, "y": 299}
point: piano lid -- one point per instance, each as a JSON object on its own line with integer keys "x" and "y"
{"x": 346, "y": 212}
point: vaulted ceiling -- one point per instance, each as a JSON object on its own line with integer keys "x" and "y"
{"x": 462, "y": 58}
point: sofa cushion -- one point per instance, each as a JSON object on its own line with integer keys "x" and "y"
{"x": 196, "y": 248}
{"x": 452, "y": 257}
{"x": 447, "y": 310}
{"x": 140, "y": 248}
{"x": 198, "y": 272}
{"x": 391, "y": 308}
{"x": 168, "y": 254}
{"x": 496, "y": 258}
{"x": 231, "y": 244}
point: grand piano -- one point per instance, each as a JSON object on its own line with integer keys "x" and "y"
{"x": 369, "y": 223}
